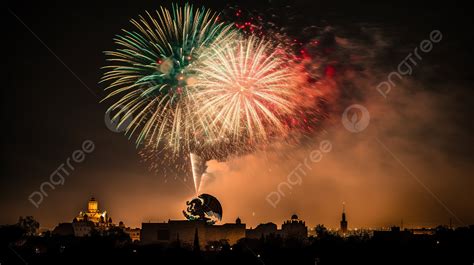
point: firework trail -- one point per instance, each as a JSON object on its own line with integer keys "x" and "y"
{"x": 198, "y": 166}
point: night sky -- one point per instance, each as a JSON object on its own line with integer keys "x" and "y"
{"x": 414, "y": 161}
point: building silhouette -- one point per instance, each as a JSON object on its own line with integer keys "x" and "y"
{"x": 262, "y": 230}
{"x": 99, "y": 219}
{"x": 188, "y": 231}
{"x": 92, "y": 220}
{"x": 294, "y": 228}
{"x": 343, "y": 220}
{"x": 198, "y": 232}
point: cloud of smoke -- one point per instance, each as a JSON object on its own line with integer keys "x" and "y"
{"x": 415, "y": 130}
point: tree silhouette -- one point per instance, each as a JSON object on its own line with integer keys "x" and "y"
{"x": 29, "y": 224}
{"x": 321, "y": 230}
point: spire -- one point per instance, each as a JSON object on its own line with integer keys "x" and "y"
{"x": 343, "y": 211}
{"x": 344, "y": 221}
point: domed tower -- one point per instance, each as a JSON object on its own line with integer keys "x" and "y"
{"x": 294, "y": 228}
{"x": 93, "y": 206}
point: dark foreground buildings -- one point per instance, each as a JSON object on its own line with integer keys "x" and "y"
{"x": 184, "y": 231}
{"x": 443, "y": 246}
{"x": 90, "y": 240}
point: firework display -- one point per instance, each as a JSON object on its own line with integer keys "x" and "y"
{"x": 149, "y": 73}
{"x": 246, "y": 89}
{"x": 188, "y": 84}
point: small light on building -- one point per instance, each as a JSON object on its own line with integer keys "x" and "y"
{"x": 134, "y": 251}
{"x": 258, "y": 255}
{"x": 437, "y": 242}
